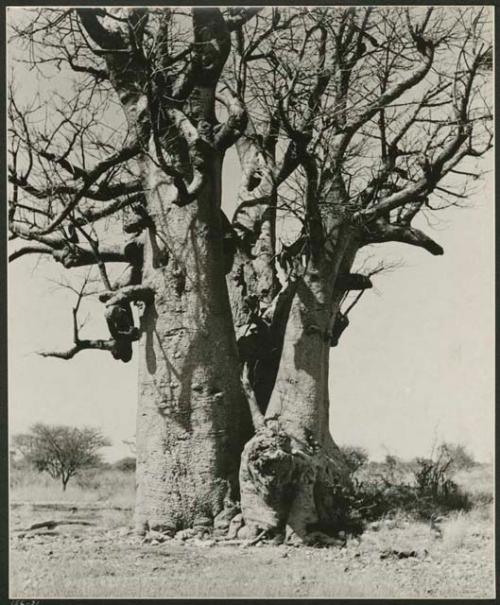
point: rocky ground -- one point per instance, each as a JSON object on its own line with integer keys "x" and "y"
{"x": 90, "y": 551}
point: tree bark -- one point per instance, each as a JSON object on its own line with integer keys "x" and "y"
{"x": 291, "y": 469}
{"x": 192, "y": 417}
{"x": 252, "y": 282}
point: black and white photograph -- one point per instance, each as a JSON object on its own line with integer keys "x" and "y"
{"x": 251, "y": 301}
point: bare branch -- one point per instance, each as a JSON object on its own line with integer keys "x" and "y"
{"x": 29, "y": 250}
{"x": 127, "y": 294}
{"x": 256, "y": 414}
{"x": 81, "y": 345}
{"x": 103, "y": 37}
{"x": 353, "y": 281}
{"x": 227, "y": 134}
{"x": 388, "y": 96}
{"x": 382, "y": 231}
{"x": 239, "y": 16}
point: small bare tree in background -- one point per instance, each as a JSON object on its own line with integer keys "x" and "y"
{"x": 61, "y": 451}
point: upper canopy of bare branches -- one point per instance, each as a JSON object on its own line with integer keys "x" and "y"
{"x": 370, "y": 116}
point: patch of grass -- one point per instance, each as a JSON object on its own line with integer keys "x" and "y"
{"x": 118, "y": 568}
{"x": 99, "y": 562}
{"x": 93, "y": 485}
{"x": 455, "y": 531}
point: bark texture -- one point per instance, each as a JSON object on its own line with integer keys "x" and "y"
{"x": 252, "y": 282}
{"x": 192, "y": 415}
{"x": 292, "y": 469}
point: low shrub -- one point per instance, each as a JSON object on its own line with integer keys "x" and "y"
{"x": 354, "y": 457}
{"x": 420, "y": 488}
{"x": 127, "y": 464}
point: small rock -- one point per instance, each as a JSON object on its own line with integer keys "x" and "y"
{"x": 184, "y": 534}
{"x": 398, "y": 554}
{"x": 244, "y": 533}
{"x": 207, "y": 543}
{"x": 157, "y": 535}
{"x": 203, "y": 522}
{"x": 202, "y": 532}
{"x": 224, "y": 518}
{"x": 235, "y": 525}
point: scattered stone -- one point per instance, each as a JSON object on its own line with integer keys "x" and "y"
{"x": 244, "y": 533}
{"x": 398, "y": 554}
{"x": 203, "y": 543}
{"x": 235, "y": 526}
{"x": 157, "y": 536}
{"x": 223, "y": 520}
{"x": 203, "y": 522}
{"x": 185, "y": 534}
{"x": 318, "y": 538}
{"x": 202, "y": 532}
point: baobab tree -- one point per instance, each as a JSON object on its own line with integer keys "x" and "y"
{"x": 348, "y": 123}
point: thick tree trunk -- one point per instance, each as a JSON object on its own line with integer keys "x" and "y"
{"x": 252, "y": 282}
{"x": 192, "y": 416}
{"x": 292, "y": 469}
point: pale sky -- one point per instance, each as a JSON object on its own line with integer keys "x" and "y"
{"x": 415, "y": 365}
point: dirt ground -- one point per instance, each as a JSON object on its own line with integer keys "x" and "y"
{"x": 103, "y": 559}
